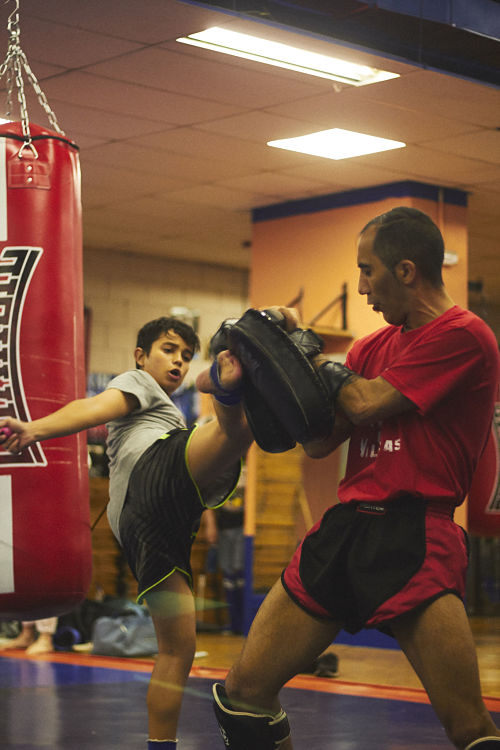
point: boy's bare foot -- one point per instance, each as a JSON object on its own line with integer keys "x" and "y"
{"x": 229, "y": 373}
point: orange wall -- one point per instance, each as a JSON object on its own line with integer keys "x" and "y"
{"x": 317, "y": 252}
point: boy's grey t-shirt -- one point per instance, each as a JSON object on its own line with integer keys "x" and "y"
{"x": 130, "y": 436}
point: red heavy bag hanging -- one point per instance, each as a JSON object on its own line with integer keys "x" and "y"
{"x": 45, "y": 547}
{"x": 483, "y": 509}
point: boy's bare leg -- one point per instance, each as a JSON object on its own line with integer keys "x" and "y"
{"x": 172, "y": 608}
{"x": 217, "y": 445}
{"x": 439, "y": 645}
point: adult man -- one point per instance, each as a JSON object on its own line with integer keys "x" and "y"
{"x": 417, "y": 407}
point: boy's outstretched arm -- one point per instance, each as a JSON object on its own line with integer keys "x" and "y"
{"x": 76, "y": 416}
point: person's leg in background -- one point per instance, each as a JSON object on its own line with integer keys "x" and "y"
{"x": 44, "y": 643}
{"x": 36, "y": 636}
{"x": 231, "y": 562}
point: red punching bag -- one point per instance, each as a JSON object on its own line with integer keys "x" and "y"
{"x": 45, "y": 547}
{"x": 483, "y": 509}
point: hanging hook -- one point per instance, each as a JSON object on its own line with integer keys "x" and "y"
{"x": 13, "y": 21}
{"x": 28, "y": 144}
{"x": 16, "y": 9}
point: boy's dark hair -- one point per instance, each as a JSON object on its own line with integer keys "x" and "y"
{"x": 406, "y": 233}
{"x": 152, "y": 331}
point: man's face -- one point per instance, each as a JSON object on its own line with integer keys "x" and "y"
{"x": 167, "y": 362}
{"x": 384, "y": 292}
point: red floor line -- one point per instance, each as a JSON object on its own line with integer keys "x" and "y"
{"x": 360, "y": 689}
{"x": 302, "y": 682}
{"x": 87, "y": 660}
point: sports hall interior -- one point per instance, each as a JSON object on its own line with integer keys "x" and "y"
{"x": 187, "y": 211}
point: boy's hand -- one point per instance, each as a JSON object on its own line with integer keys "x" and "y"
{"x": 15, "y": 435}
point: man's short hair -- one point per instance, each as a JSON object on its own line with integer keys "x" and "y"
{"x": 406, "y": 233}
{"x": 152, "y": 331}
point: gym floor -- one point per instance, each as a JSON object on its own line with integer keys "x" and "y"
{"x": 77, "y": 700}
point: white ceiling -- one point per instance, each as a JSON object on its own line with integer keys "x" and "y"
{"x": 173, "y": 139}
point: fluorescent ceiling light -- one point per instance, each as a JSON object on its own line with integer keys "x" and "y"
{"x": 337, "y": 144}
{"x": 284, "y": 56}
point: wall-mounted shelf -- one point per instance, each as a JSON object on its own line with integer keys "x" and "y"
{"x": 329, "y": 332}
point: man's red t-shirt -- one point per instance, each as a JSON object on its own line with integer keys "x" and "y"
{"x": 449, "y": 368}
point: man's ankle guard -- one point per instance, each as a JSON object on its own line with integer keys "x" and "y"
{"x": 241, "y": 730}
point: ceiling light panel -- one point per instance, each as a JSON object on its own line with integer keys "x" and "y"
{"x": 283, "y": 56}
{"x": 337, "y": 144}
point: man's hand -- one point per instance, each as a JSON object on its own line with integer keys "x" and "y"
{"x": 291, "y": 315}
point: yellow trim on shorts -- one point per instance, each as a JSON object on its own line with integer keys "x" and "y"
{"x": 174, "y": 570}
{"x": 168, "y": 434}
{"x": 198, "y": 492}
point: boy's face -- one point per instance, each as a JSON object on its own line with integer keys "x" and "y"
{"x": 167, "y": 362}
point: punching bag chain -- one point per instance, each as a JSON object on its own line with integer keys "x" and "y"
{"x": 13, "y": 65}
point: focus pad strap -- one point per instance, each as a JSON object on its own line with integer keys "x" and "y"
{"x": 278, "y": 367}
{"x": 219, "y": 341}
{"x": 334, "y": 376}
{"x": 242, "y": 730}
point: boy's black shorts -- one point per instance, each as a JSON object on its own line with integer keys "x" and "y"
{"x": 162, "y": 510}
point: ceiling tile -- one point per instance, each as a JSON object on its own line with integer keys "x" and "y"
{"x": 148, "y": 23}
{"x": 275, "y": 185}
{"x": 206, "y": 79}
{"x": 483, "y": 145}
{"x": 134, "y": 100}
{"x": 162, "y": 162}
{"x": 356, "y": 110}
{"x": 344, "y": 174}
{"x": 220, "y": 196}
{"x": 76, "y": 119}
{"x": 438, "y": 95}
{"x": 259, "y": 126}
{"x": 41, "y": 41}
{"x": 432, "y": 166}
{"x": 210, "y": 145}
{"x": 105, "y": 184}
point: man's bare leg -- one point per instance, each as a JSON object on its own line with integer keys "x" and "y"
{"x": 269, "y": 659}
{"x": 439, "y": 645}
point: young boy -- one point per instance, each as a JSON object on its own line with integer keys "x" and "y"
{"x": 162, "y": 477}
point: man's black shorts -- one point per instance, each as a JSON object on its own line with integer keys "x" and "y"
{"x": 365, "y": 564}
{"x": 162, "y": 510}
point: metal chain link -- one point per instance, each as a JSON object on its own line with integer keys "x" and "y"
{"x": 42, "y": 99}
{"x": 13, "y": 65}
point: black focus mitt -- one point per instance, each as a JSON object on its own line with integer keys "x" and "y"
{"x": 285, "y": 400}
